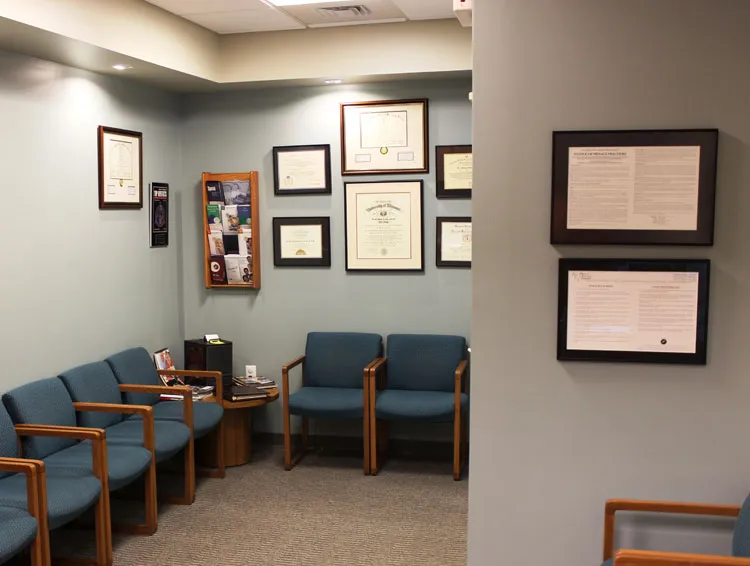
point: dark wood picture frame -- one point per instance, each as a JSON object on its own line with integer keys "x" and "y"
{"x": 103, "y": 202}
{"x": 706, "y": 139}
{"x": 419, "y": 269}
{"x": 439, "y": 261}
{"x": 425, "y": 166}
{"x": 280, "y": 191}
{"x": 325, "y": 224}
{"x": 701, "y": 266}
{"x": 440, "y": 152}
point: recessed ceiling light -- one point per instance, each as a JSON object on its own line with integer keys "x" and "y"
{"x": 121, "y": 67}
{"x": 333, "y": 81}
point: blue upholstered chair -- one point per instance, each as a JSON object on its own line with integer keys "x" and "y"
{"x": 61, "y": 493}
{"x": 98, "y": 401}
{"x": 47, "y": 402}
{"x": 422, "y": 379}
{"x": 141, "y": 385}
{"x": 335, "y": 369}
{"x": 740, "y": 539}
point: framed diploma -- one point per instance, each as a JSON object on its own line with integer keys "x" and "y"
{"x": 384, "y": 137}
{"x": 384, "y": 226}
{"x": 302, "y": 169}
{"x": 454, "y": 165}
{"x": 453, "y": 241}
{"x": 159, "y": 215}
{"x": 634, "y": 187}
{"x": 302, "y": 242}
{"x": 120, "y": 168}
{"x": 633, "y": 310}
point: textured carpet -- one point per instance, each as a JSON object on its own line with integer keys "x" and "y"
{"x": 325, "y": 511}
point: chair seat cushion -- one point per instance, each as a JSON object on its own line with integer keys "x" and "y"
{"x": 17, "y": 531}
{"x": 69, "y": 494}
{"x": 170, "y": 436}
{"x": 328, "y": 402}
{"x": 206, "y": 416}
{"x": 126, "y": 463}
{"x": 428, "y": 406}
{"x": 608, "y": 562}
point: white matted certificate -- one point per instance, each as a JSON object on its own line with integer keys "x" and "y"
{"x": 384, "y": 226}
{"x": 301, "y": 241}
{"x": 453, "y": 242}
{"x": 302, "y": 169}
{"x": 120, "y": 168}
{"x": 384, "y": 137}
{"x": 455, "y": 171}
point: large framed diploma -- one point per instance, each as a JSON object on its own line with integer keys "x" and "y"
{"x": 384, "y": 226}
{"x": 453, "y": 241}
{"x": 634, "y": 187}
{"x": 455, "y": 171}
{"x": 302, "y": 242}
{"x": 120, "y": 168}
{"x": 633, "y": 310}
{"x": 302, "y": 169}
{"x": 384, "y": 137}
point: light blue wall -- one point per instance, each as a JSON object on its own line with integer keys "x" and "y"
{"x": 78, "y": 283}
{"x": 235, "y": 132}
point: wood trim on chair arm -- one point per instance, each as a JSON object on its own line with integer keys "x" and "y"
{"x": 294, "y": 363}
{"x": 285, "y": 376}
{"x": 614, "y": 505}
{"x": 627, "y": 557}
{"x": 187, "y": 396}
{"x": 146, "y": 411}
{"x": 34, "y": 472}
{"x": 379, "y": 367}
{"x": 215, "y": 375}
{"x": 460, "y": 373}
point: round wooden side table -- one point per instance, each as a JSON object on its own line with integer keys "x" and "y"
{"x": 238, "y": 432}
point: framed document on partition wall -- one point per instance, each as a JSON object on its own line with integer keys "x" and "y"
{"x": 302, "y": 242}
{"x": 120, "y": 168}
{"x": 383, "y": 226}
{"x": 633, "y": 310}
{"x": 634, "y": 187}
{"x": 384, "y": 137}
{"x": 302, "y": 169}
{"x": 453, "y": 241}
{"x": 454, "y": 166}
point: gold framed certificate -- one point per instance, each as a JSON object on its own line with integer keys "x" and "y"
{"x": 455, "y": 171}
{"x": 384, "y": 226}
{"x": 302, "y": 242}
{"x": 453, "y": 241}
{"x": 120, "y": 168}
{"x": 381, "y": 137}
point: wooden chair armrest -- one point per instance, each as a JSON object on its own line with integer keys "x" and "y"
{"x": 293, "y": 363}
{"x": 377, "y": 368}
{"x": 614, "y": 505}
{"x": 285, "y": 377}
{"x": 649, "y": 558}
{"x": 187, "y": 397}
{"x": 36, "y": 483}
{"x": 460, "y": 374}
{"x": 215, "y": 375}
{"x": 146, "y": 411}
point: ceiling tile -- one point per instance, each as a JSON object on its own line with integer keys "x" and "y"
{"x": 185, "y": 7}
{"x": 245, "y": 21}
{"x": 426, "y": 9}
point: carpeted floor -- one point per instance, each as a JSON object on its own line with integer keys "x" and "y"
{"x": 325, "y": 511}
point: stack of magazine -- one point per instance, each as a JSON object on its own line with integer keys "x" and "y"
{"x": 163, "y": 360}
{"x": 248, "y": 388}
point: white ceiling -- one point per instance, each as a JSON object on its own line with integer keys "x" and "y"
{"x": 240, "y": 16}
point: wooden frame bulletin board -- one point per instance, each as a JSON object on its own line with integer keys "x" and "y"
{"x": 252, "y": 177}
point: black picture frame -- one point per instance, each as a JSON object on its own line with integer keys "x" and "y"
{"x": 323, "y": 221}
{"x": 105, "y": 200}
{"x": 278, "y": 188}
{"x": 440, "y": 153}
{"x": 439, "y": 261}
{"x": 700, "y": 266}
{"x": 159, "y": 215}
{"x": 703, "y": 235}
{"x": 420, "y": 234}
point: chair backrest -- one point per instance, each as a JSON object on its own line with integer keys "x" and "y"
{"x": 741, "y": 537}
{"x": 424, "y": 362}
{"x": 93, "y": 383}
{"x": 135, "y": 366}
{"x": 8, "y": 439}
{"x": 338, "y": 359}
{"x": 43, "y": 402}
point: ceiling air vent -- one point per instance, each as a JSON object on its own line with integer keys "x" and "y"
{"x": 345, "y": 12}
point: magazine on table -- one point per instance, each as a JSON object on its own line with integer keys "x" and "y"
{"x": 163, "y": 361}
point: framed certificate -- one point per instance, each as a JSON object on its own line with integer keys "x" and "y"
{"x": 302, "y": 169}
{"x": 384, "y": 137}
{"x": 453, "y": 241}
{"x": 120, "y": 168}
{"x": 159, "y": 215}
{"x": 384, "y": 226}
{"x": 633, "y": 310}
{"x": 302, "y": 242}
{"x": 454, "y": 166}
{"x": 634, "y": 187}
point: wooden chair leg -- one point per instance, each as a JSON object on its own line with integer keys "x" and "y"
{"x": 373, "y": 445}
{"x": 220, "y": 452}
{"x": 305, "y": 433}
{"x": 190, "y": 470}
{"x": 151, "y": 506}
{"x": 103, "y": 529}
{"x": 366, "y": 443}
{"x": 40, "y": 550}
{"x": 287, "y": 440}
{"x": 457, "y": 441}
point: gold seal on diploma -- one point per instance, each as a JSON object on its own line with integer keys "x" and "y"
{"x": 121, "y": 182}
{"x": 384, "y": 150}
